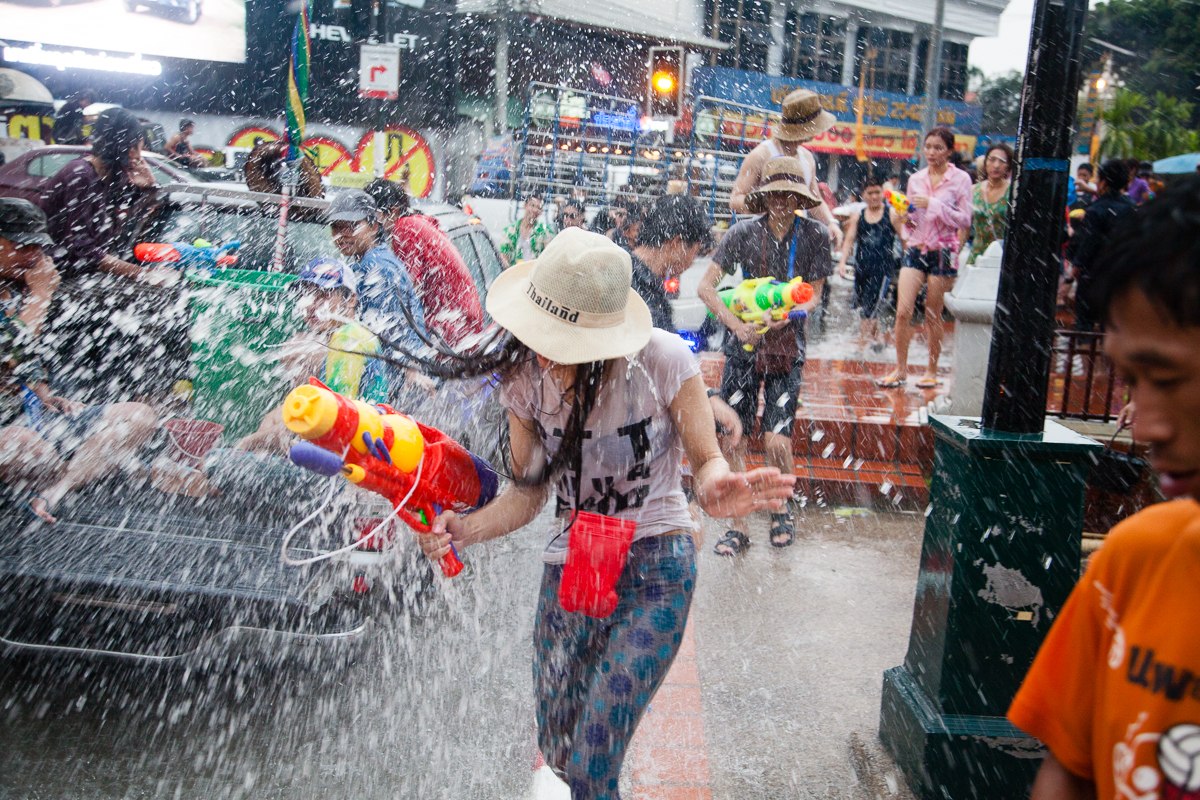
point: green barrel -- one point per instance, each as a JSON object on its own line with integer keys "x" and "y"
{"x": 238, "y": 317}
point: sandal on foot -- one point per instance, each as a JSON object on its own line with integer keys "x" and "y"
{"x": 892, "y": 381}
{"x": 783, "y": 533}
{"x": 928, "y": 383}
{"x": 39, "y": 508}
{"x": 733, "y": 543}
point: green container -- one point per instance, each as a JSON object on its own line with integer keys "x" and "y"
{"x": 238, "y": 318}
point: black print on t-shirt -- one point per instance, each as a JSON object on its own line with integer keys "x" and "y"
{"x": 604, "y": 496}
{"x": 1171, "y": 681}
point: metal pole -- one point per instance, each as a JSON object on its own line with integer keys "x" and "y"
{"x": 1014, "y": 397}
{"x": 933, "y": 76}
{"x": 503, "y": 13}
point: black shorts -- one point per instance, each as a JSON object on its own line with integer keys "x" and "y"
{"x": 934, "y": 263}
{"x": 870, "y": 290}
{"x": 781, "y": 390}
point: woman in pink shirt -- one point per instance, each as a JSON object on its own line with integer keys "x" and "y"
{"x": 940, "y": 207}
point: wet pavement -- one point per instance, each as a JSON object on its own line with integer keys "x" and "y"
{"x": 776, "y": 694}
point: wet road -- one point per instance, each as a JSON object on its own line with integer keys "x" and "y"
{"x": 791, "y": 645}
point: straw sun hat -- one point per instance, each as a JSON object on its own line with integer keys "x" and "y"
{"x": 802, "y": 117}
{"x": 784, "y": 174}
{"x": 573, "y": 303}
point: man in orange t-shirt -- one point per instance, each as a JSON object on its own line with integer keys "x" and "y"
{"x": 1114, "y": 692}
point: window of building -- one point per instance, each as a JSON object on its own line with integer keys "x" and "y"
{"x": 954, "y": 70}
{"x": 892, "y": 51}
{"x": 814, "y": 47}
{"x": 744, "y": 24}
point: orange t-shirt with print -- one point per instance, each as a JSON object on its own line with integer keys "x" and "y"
{"x": 1115, "y": 689}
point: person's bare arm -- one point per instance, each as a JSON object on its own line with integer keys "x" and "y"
{"x": 848, "y": 245}
{"x": 41, "y": 281}
{"x": 514, "y": 508}
{"x": 1056, "y": 782}
{"x": 747, "y": 179}
{"x": 707, "y": 292}
{"x": 720, "y": 492}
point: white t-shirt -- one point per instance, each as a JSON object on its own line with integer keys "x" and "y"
{"x": 632, "y": 452}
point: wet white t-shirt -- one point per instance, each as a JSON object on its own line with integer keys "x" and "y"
{"x": 632, "y": 452}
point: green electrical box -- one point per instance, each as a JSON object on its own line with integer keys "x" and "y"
{"x": 1000, "y": 555}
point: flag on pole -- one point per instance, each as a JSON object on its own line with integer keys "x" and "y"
{"x": 297, "y": 85}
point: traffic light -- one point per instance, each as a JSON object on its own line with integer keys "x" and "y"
{"x": 664, "y": 94}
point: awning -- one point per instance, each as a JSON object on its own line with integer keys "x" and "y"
{"x": 666, "y": 21}
{"x": 17, "y": 88}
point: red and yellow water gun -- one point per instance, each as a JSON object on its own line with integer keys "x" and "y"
{"x": 418, "y": 469}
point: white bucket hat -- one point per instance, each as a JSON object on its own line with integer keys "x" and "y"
{"x": 573, "y": 303}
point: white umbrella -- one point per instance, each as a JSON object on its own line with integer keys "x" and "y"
{"x": 17, "y": 88}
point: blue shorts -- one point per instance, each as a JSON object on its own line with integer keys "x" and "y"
{"x": 934, "y": 263}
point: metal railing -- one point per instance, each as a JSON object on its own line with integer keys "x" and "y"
{"x": 1083, "y": 384}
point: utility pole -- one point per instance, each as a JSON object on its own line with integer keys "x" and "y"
{"x": 503, "y": 17}
{"x": 933, "y": 76}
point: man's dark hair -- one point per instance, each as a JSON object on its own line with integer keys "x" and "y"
{"x": 1115, "y": 173}
{"x": 674, "y": 215}
{"x": 1157, "y": 251}
{"x": 1145, "y": 168}
{"x": 115, "y": 132}
{"x": 868, "y": 182}
{"x": 184, "y": 124}
{"x": 1088, "y": 166}
{"x": 388, "y": 195}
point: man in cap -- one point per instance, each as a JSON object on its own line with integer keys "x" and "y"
{"x": 780, "y": 245}
{"x": 49, "y": 445}
{"x": 441, "y": 277}
{"x": 387, "y": 298}
{"x": 802, "y": 119}
{"x": 24, "y": 262}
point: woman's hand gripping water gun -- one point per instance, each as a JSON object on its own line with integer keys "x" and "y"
{"x": 418, "y": 469}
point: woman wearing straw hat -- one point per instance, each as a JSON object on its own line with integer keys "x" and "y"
{"x": 802, "y": 119}
{"x": 605, "y": 407}
{"x": 780, "y": 245}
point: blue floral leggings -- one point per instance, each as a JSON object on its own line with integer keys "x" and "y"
{"x": 593, "y": 678}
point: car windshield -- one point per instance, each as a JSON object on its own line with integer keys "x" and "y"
{"x": 254, "y": 226}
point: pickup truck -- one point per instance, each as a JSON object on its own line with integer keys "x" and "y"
{"x": 133, "y": 572}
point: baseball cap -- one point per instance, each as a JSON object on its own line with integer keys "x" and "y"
{"x": 21, "y": 222}
{"x": 351, "y": 206}
{"x": 328, "y": 273}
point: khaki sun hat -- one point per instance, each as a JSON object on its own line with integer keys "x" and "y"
{"x": 573, "y": 303}
{"x": 802, "y": 117}
{"x": 784, "y": 174}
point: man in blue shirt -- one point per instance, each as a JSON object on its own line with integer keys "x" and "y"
{"x": 387, "y": 300}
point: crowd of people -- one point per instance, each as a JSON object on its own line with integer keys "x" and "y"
{"x": 606, "y": 409}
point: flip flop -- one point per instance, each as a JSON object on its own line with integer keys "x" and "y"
{"x": 733, "y": 543}
{"x": 893, "y": 383}
{"x": 928, "y": 383}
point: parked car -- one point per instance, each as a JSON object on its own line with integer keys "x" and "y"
{"x": 26, "y": 174}
{"x": 133, "y": 572}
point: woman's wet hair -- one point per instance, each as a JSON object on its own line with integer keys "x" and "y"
{"x": 945, "y": 134}
{"x": 1156, "y": 250}
{"x": 114, "y": 134}
{"x": 1003, "y": 147}
{"x": 1115, "y": 174}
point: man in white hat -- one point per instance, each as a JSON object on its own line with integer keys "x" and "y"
{"x": 802, "y": 119}
{"x": 782, "y": 245}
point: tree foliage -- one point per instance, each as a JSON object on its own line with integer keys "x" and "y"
{"x": 1000, "y": 97}
{"x": 1147, "y": 129}
{"x": 1164, "y": 35}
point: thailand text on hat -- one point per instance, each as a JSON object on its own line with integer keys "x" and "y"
{"x": 327, "y": 273}
{"x": 784, "y": 174}
{"x": 23, "y": 223}
{"x": 573, "y": 303}
{"x": 802, "y": 117}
